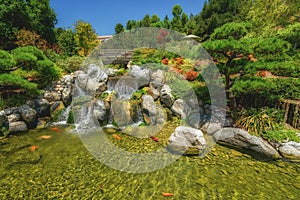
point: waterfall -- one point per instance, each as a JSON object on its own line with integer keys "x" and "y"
{"x": 125, "y": 87}
{"x": 62, "y": 120}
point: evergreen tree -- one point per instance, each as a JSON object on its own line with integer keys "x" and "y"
{"x": 119, "y": 28}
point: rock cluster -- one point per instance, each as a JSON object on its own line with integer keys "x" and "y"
{"x": 36, "y": 111}
{"x": 114, "y": 103}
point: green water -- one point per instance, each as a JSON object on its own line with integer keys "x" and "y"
{"x": 61, "y": 168}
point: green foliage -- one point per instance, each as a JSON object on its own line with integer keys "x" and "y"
{"x": 269, "y": 49}
{"x": 6, "y": 61}
{"x": 33, "y": 15}
{"x": 30, "y": 50}
{"x": 119, "y": 28}
{"x": 66, "y": 41}
{"x": 11, "y": 81}
{"x": 216, "y": 13}
{"x": 33, "y": 62}
{"x": 137, "y": 95}
{"x": 281, "y": 135}
{"x": 257, "y": 122}
{"x": 267, "y": 123}
{"x": 47, "y": 71}
{"x": 85, "y": 38}
{"x": 265, "y": 15}
{"x": 258, "y": 92}
{"x": 278, "y": 68}
{"x": 70, "y": 64}
{"x": 291, "y": 33}
{"x": 70, "y": 119}
{"x": 180, "y": 88}
{"x": 231, "y": 30}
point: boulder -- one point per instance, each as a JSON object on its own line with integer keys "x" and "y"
{"x": 186, "y": 137}
{"x": 157, "y": 79}
{"x": 66, "y": 95}
{"x": 42, "y": 107}
{"x": 81, "y": 80}
{"x": 95, "y": 72}
{"x": 290, "y": 150}
{"x": 56, "y": 109}
{"x": 142, "y": 75}
{"x": 149, "y": 109}
{"x": 28, "y": 115}
{"x": 19, "y": 126}
{"x": 52, "y": 96}
{"x": 241, "y": 138}
{"x": 13, "y": 117}
{"x": 182, "y": 109}
{"x": 153, "y": 92}
{"x": 121, "y": 111}
{"x": 166, "y": 97}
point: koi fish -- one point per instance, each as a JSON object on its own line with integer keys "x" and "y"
{"x": 56, "y": 129}
{"x": 166, "y": 194}
{"x": 116, "y": 137}
{"x": 33, "y": 148}
{"x": 155, "y": 139}
{"x": 45, "y": 137}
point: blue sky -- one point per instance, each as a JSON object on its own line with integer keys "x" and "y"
{"x": 105, "y": 14}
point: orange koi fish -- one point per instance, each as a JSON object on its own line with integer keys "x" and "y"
{"x": 56, "y": 129}
{"x": 33, "y": 148}
{"x": 45, "y": 137}
{"x": 116, "y": 137}
{"x": 166, "y": 194}
{"x": 155, "y": 139}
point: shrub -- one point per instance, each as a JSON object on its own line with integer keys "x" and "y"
{"x": 26, "y": 61}
{"x": 70, "y": 64}
{"x": 258, "y": 123}
{"x": 29, "y": 49}
{"x": 10, "y": 82}
{"x": 191, "y": 75}
{"x": 47, "y": 72}
{"x": 6, "y": 61}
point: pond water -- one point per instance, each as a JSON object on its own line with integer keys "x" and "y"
{"x": 60, "y": 167}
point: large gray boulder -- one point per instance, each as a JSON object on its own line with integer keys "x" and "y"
{"x": 290, "y": 150}
{"x": 241, "y": 138}
{"x": 42, "y": 107}
{"x": 28, "y": 115}
{"x": 185, "y": 138}
{"x": 13, "y": 117}
{"x": 19, "y": 126}
{"x": 66, "y": 95}
{"x": 182, "y": 109}
{"x": 149, "y": 109}
{"x": 142, "y": 75}
{"x": 166, "y": 97}
{"x": 157, "y": 79}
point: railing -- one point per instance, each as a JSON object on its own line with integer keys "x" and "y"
{"x": 292, "y": 112}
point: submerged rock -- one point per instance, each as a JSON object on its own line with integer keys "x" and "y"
{"x": 186, "y": 137}
{"x": 290, "y": 150}
{"x": 241, "y": 138}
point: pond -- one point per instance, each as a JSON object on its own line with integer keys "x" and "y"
{"x": 60, "y": 167}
